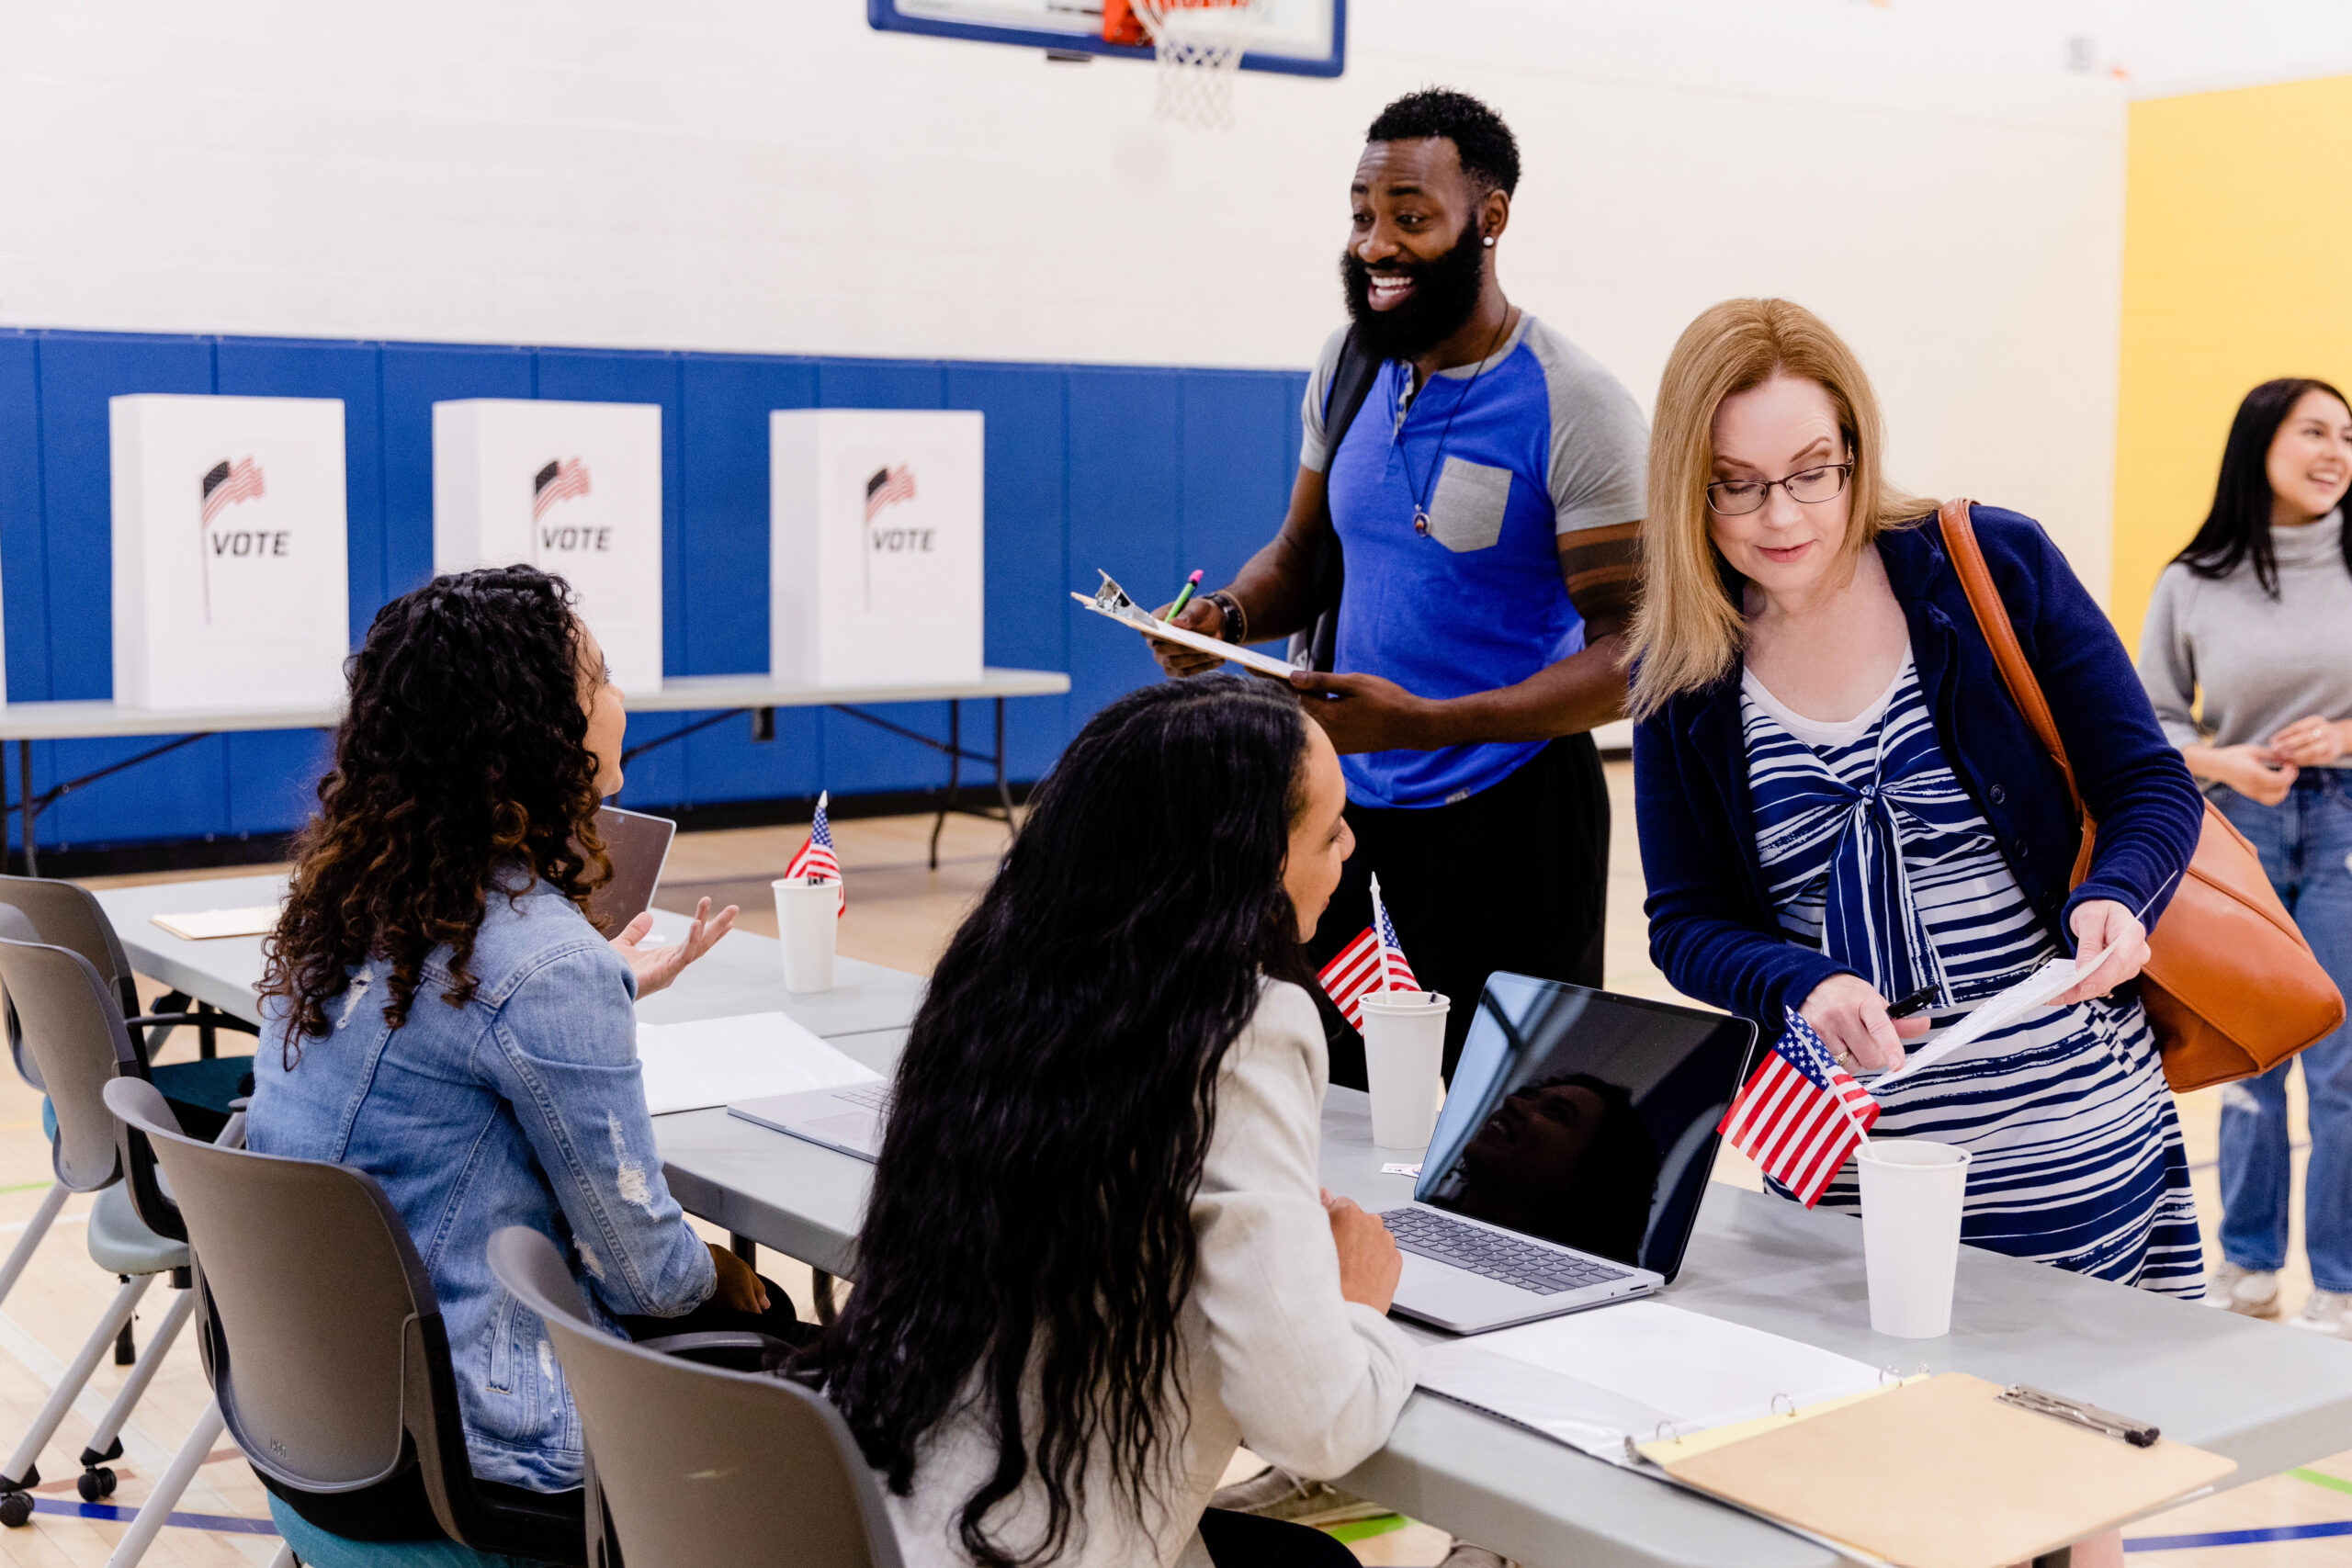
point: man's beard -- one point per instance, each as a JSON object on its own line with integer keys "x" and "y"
{"x": 1445, "y": 291}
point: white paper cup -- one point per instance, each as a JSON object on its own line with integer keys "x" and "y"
{"x": 1911, "y": 1204}
{"x": 1404, "y": 1045}
{"x": 808, "y": 916}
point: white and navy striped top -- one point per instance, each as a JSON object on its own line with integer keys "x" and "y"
{"x": 1872, "y": 852}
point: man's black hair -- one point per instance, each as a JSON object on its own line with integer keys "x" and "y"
{"x": 1489, "y": 151}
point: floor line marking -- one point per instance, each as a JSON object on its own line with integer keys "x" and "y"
{"x": 122, "y": 1514}
{"x": 2321, "y": 1478}
{"x": 2238, "y": 1537}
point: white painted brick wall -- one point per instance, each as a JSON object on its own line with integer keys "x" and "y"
{"x": 772, "y": 176}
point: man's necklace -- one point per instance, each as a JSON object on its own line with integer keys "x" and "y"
{"x": 1424, "y": 491}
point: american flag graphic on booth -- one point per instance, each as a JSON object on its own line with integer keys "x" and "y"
{"x": 815, "y": 859}
{"x": 226, "y": 483}
{"x": 1361, "y": 964}
{"x": 1801, "y": 1114}
{"x": 888, "y": 487}
{"x": 558, "y": 480}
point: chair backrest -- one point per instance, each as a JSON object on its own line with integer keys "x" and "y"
{"x": 69, "y": 916}
{"x": 15, "y": 927}
{"x": 321, "y": 1334}
{"x": 74, "y": 1031}
{"x": 697, "y": 1465}
{"x": 311, "y": 1288}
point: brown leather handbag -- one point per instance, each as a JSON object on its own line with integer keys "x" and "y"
{"x": 2231, "y": 986}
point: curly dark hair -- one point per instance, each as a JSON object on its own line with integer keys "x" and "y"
{"x": 1031, "y": 1214}
{"x": 462, "y": 768}
{"x": 1489, "y": 152}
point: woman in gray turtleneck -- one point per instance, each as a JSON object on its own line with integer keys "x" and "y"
{"x": 2247, "y": 656}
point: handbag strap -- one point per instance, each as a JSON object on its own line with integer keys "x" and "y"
{"x": 1992, "y": 619}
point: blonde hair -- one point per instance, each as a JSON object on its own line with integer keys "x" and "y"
{"x": 1689, "y": 628}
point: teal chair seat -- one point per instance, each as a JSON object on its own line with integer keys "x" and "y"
{"x": 317, "y": 1549}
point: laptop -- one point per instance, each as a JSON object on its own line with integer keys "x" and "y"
{"x": 847, "y": 1119}
{"x": 1566, "y": 1167}
{"x": 640, "y": 847}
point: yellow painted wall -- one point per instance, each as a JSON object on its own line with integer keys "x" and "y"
{"x": 2237, "y": 268}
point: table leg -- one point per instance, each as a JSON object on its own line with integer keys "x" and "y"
{"x": 207, "y": 1044}
{"x": 820, "y": 1285}
{"x": 1003, "y": 790}
{"x": 954, "y": 774}
{"x": 25, "y": 805}
{"x": 744, "y": 1247}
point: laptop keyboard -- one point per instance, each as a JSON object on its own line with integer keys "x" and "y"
{"x": 1494, "y": 1254}
{"x": 875, "y": 1097}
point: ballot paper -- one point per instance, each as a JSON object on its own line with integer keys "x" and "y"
{"x": 1112, "y": 601}
{"x": 1639, "y": 1370}
{"x": 1998, "y": 1011}
{"x": 203, "y": 925}
{"x": 689, "y": 1066}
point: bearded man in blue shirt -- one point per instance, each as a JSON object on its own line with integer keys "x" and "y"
{"x": 1481, "y": 478}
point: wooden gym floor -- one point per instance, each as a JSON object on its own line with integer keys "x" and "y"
{"x": 900, "y": 913}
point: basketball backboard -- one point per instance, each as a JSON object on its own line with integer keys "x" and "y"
{"x": 1298, "y": 38}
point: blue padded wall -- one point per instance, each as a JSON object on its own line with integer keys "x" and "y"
{"x": 1144, "y": 472}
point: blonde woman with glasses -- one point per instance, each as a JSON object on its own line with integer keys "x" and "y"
{"x": 1842, "y": 812}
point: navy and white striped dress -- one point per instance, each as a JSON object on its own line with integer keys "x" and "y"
{"x": 1874, "y": 852}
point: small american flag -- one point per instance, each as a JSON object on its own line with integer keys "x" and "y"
{"x": 226, "y": 483}
{"x": 888, "y": 487}
{"x": 1801, "y": 1114}
{"x": 1361, "y": 965}
{"x": 557, "y": 481}
{"x": 815, "y": 859}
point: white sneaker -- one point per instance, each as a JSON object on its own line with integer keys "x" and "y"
{"x": 2328, "y": 1312}
{"x": 1275, "y": 1493}
{"x": 2251, "y": 1292}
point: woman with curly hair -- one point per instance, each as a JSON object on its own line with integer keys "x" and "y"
{"x": 1096, "y": 1257}
{"x": 440, "y": 1014}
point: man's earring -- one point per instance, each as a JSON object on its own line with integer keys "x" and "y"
{"x": 1491, "y": 242}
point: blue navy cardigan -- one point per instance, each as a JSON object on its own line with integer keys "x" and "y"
{"x": 1712, "y": 930}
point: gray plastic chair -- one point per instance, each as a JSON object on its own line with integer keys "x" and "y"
{"x": 692, "y": 1465}
{"x": 69, "y": 916}
{"x": 75, "y": 1030}
{"x": 324, "y": 1341}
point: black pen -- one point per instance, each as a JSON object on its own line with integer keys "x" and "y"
{"x": 1917, "y": 1001}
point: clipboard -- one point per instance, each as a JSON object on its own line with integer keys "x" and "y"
{"x": 1985, "y": 1480}
{"x": 206, "y": 925}
{"x": 1112, "y": 602}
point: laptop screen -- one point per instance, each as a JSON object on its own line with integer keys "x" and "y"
{"x": 1585, "y": 1118}
{"x": 638, "y": 846}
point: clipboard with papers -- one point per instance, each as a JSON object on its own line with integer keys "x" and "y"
{"x": 1112, "y": 602}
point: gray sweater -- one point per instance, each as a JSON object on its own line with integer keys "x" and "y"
{"x": 2259, "y": 663}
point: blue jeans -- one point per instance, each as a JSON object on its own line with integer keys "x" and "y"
{"x": 2306, "y": 846}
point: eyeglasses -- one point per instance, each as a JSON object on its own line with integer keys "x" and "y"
{"x": 1736, "y": 498}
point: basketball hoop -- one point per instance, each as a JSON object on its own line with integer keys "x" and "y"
{"x": 1198, "y": 45}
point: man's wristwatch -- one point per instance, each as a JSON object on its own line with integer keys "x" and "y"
{"x": 1234, "y": 627}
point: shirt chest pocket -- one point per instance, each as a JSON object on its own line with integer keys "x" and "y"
{"x": 1466, "y": 512}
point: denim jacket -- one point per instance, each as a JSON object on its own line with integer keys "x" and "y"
{"x": 524, "y": 1107}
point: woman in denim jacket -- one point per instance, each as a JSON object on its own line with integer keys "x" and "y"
{"x": 442, "y": 1015}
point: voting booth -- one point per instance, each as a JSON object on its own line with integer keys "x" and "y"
{"x": 573, "y": 489}
{"x": 231, "y": 587}
{"x": 874, "y": 564}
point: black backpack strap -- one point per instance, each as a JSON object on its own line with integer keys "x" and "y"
{"x": 1352, "y": 381}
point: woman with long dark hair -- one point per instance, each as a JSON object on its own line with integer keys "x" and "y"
{"x": 440, "y": 1014}
{"x": 1096, "y": 1257}
{"x": 2247, "y": 655}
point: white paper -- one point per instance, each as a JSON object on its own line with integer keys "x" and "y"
{"x": 1998, "y": 1011}
{"x": 1593, "y": 1378}
{"x": 1248, "y": 659}
{"x": 713, "y": 1061}
{"x": 203, "y": 925}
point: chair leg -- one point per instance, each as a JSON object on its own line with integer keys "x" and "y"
{"x": 285, "y": 1558}
{"x": 168, "y": 1487}
{"x": 97, "y": 1483}
{"x": 35, "y": 1228}
{"x": 20, "y": 1473}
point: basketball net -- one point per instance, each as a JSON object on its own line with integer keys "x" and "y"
{"x": 1198, "y": 45}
